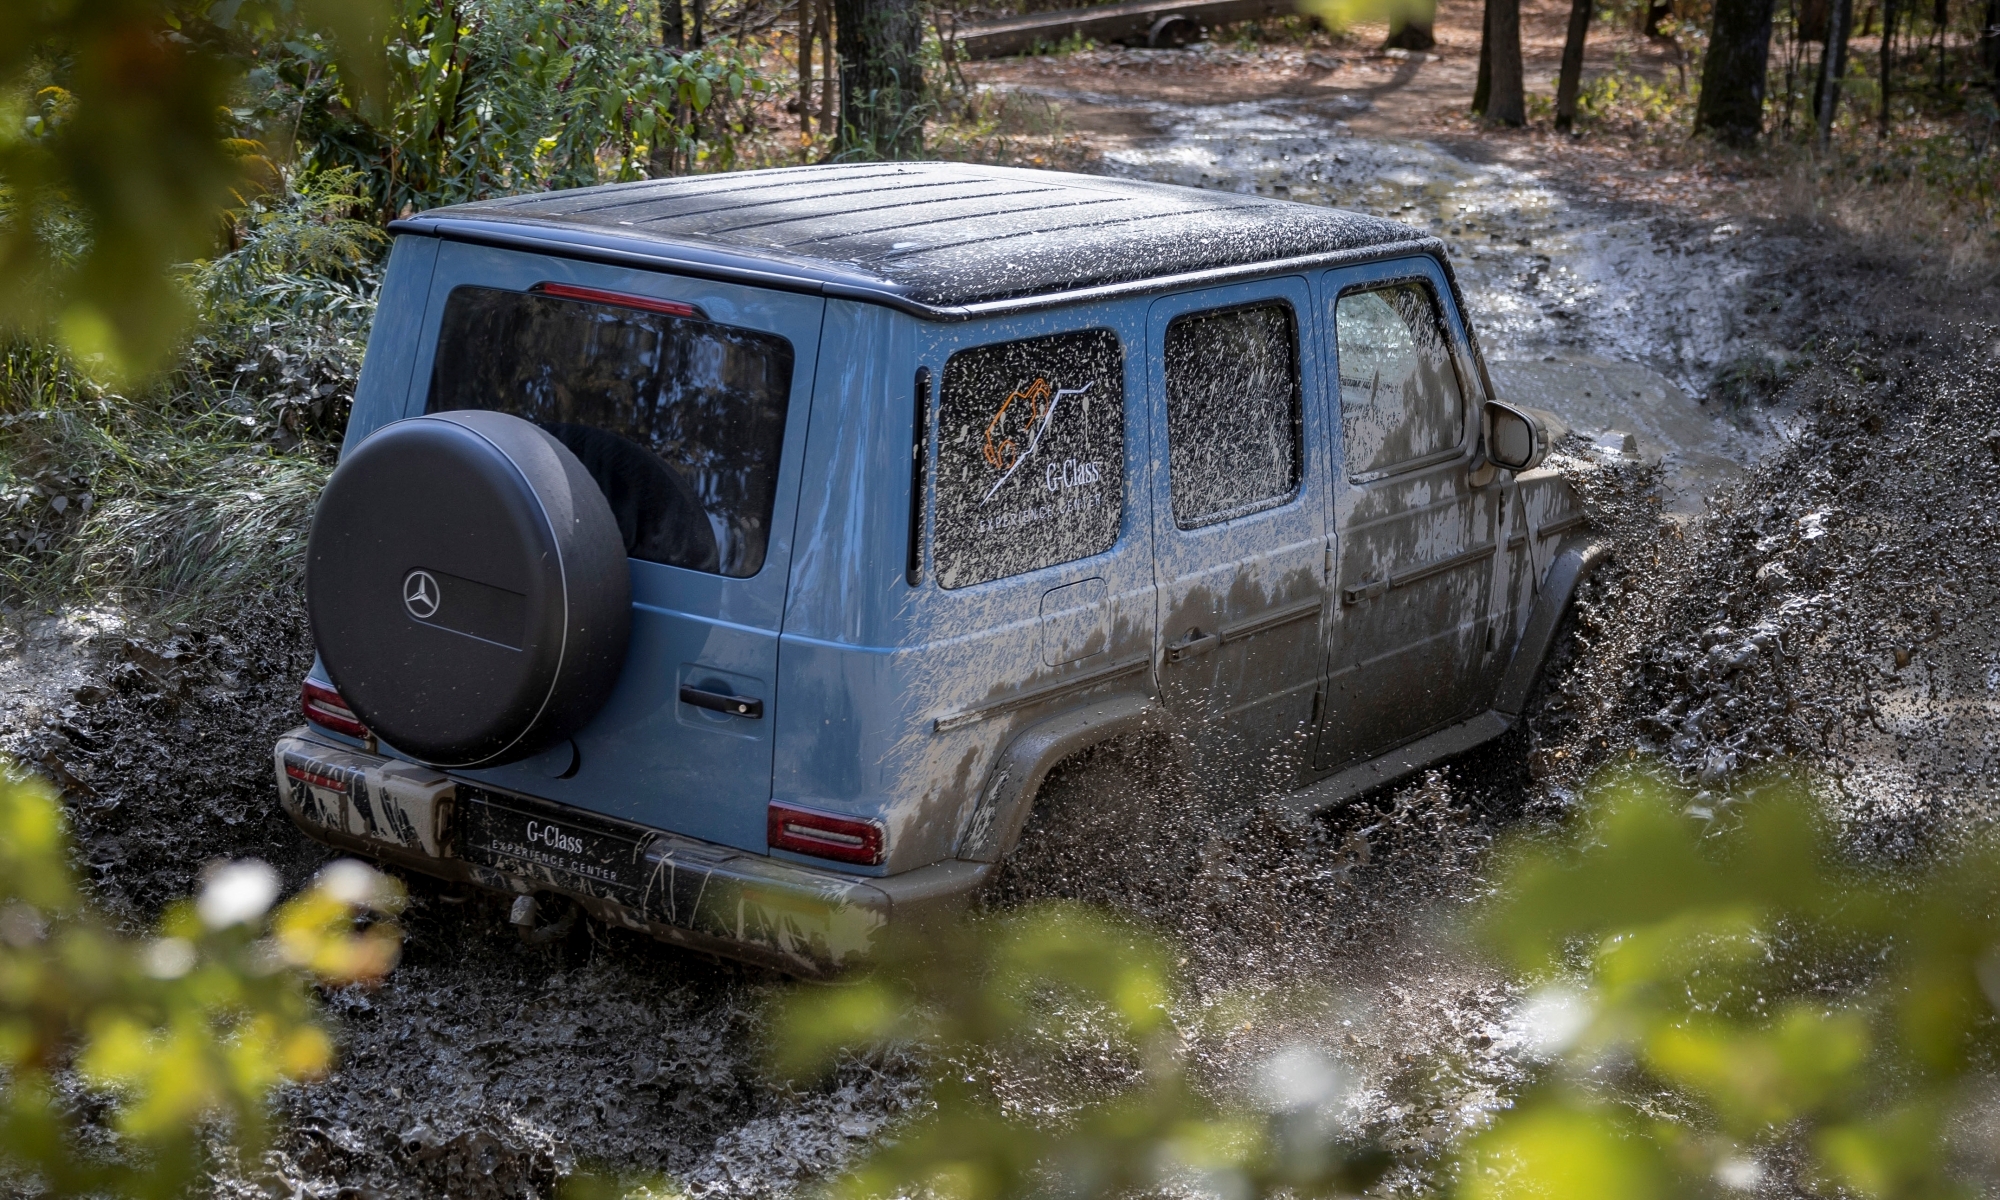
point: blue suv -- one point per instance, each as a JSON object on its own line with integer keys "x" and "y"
{"x": 736, "y": 555}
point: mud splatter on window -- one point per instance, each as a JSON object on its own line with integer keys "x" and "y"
{"x": 1399, "y": 397}
{"x": 1233, "y": 416}
{"x": 1031, "y": 456}
{"x": 681, "y": 422}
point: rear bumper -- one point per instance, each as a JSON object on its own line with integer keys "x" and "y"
{"x": 795, "y": 918}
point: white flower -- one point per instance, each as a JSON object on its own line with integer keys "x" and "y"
{"x": 1739, "y": 1174}
{"x": 1300, "y": 1077}
{"x": 354, "y": 883}
{"x": 168, "y": 958}
{"x": 237, "y": 893}
{"x": 1551, "y": 1021}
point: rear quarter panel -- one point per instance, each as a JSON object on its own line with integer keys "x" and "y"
{"x": 897, "y": 699}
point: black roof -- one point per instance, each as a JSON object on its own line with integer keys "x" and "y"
{"x": 937, "y": 238}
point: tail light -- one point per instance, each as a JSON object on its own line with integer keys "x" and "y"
{"x": 323, "y": 706}
{"x": 566, "y": 291}
{"x": 305, "y": 774}
{"x": 823, "y": 835}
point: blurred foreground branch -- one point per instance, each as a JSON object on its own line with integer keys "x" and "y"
{"x": 1720, "y": 1009}
{"x": 1025, "y": 992}
{"x": 1718, "y": 1000}
{"x": 186, "y": 1032}
{"x": 115, "y": 159}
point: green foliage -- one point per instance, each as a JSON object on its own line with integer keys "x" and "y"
{"x": 284, "y": 317}
{"x": 1073, "y": 42}
{"x": 1626, "y": 97}
{"x": 1031, "y": 992}
{"x": 509, "y": 95}
{"x": 1958, "y": 170}
{"x": 133, "y": 131}
{"x": 1338, "y": 15}
{"x": 184, "y": 1033}
{"x": 200, "y": 484}
{"x": 114, "y": 159}
{"x": 1711, "y": 999}
{"x": 168, "y": 496}
{"x": 1718, "y": 996}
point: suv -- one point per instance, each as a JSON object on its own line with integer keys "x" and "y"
{"x": 736, "y": 555}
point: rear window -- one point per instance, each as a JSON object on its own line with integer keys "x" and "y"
{"x": 680, "y": 421}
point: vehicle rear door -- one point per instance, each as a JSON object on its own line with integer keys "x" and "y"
{"x": 1414, "y": 537}
{"x": 711, "y": 399}
{"x": 1239, "y": 513}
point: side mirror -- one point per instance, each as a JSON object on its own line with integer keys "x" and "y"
{"x": 1516, "y": 437}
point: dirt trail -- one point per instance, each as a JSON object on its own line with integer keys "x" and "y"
{"x": 1836, "y": 608}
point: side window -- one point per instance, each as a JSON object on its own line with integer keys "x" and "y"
{"x": 1399, "y": 397}
{"x": 680, "y": 421}
{"x": 1233, "y": 412}
{"x": 1031, "y": 456}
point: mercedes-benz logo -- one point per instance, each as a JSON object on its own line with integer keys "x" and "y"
{"x": 420, "y": 594}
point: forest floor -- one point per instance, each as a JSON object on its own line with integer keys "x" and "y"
{"x": 1813, "y": 407}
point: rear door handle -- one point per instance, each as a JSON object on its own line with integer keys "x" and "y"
{"x": 1193, "y": 642}
{"x": 1365, "y": 591}
{"x": 723, "y": 702}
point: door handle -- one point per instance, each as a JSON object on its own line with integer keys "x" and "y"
{"x": 1365, "y": 591}
{"x": 723, "y": 702}
{"x": 1193, "y": 642}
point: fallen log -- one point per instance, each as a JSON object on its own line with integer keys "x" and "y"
{"x": 1133, "y": 22}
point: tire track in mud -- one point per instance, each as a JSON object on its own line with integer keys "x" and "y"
{"x": 1836, "y": 611}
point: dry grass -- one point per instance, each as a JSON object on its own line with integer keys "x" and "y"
{"x": 164, "y": 501}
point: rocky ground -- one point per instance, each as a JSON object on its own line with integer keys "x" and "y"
{"x": 1806, "y": 575}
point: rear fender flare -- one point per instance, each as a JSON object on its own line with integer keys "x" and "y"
{"x": 1001, "y": 812}
{"x": 1575, "y": 563}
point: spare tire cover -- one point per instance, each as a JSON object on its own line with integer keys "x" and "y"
{"x": 467, "y": 588}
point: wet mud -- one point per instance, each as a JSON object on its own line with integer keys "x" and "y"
{"x": 1805, "y": 576}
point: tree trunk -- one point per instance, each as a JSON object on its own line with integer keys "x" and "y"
{"x": 1732, "y": 80}
{"x": 1989, "y": 39}
{"x": 663, "y": 160}
{"x": 1888, "y": 64}
{"x": 1506, "y": 100}
{"x": 1411, "y": 35}
{"x": 1482, "y": 90}
{"x": 881, "y": 77}
{"x": 1571, "y": 77}
{"x": 808, "y": 31}
{"x": 829, "y": 72}
{"x": 697, "y": 11}
{"x": 1811, "y": 21}
{"x": 1940, "y": 17}
{"x": 1791, "y": 65}
{"x": 1650, "y": 17}
{"x": 1832, "y": 68}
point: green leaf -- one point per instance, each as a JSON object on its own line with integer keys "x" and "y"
{"x": 1555, "y": 1151}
